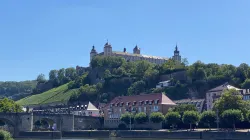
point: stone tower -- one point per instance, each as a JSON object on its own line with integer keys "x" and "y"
{"x": 107, "y": 49}
{"x": 137, "y": 50}
{"x": 93, "y": 53}
{"x": 177, "y": 56}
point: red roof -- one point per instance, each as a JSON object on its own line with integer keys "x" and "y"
{"x": 163, "y": 99}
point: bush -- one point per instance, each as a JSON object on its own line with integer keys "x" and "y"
{"x": 4, "y": 135}
{"x": 141, "y": 118}
{"x": 172, "y": 118}
{"x": 126, "y": 118}
{"x": 156, "y": 117}
{"x": 122, "y": 126}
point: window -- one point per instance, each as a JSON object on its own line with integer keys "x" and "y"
{"x": 145, "y": 109}
{"x": 127, "y": 103}
{"x": 150, "y": 102}
{"x": 146, "y": 102}
{"x": 120, "y": 110}
{"x": 134, "y": 103}
{"x": 156, "y": 101}
{"x": 139, "y": 109}
{"x": 156, "y": 108}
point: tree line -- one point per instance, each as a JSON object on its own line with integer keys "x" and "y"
{"x": 229, "y": 110}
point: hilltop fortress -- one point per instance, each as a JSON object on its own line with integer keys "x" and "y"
{"x": 136, "y": 55}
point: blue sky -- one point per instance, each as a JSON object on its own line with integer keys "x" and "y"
{"x": 37, "y": 36}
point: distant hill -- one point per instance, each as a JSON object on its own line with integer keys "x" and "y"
{"x": 60, "y": 94}
{"x": 17, "y": 90}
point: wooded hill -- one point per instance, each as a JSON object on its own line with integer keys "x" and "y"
{"x": 113, "y": 76}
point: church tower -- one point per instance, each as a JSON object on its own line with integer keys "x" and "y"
{"x": 137, "y": 50}
{"x": 93, "y": 53}
{"x": 107, "y": 49}
{"x": 177, "y": 56}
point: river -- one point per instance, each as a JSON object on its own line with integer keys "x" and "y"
{"x": 99, "y": 139}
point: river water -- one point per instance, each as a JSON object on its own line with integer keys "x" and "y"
{"x": 99, "y": 139}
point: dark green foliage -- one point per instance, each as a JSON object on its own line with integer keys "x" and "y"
{"x": 141, "y": 118}
{"x": 107, "y": 62}
{"x": 8, "y": 105}
{"x": 208, "y": 118}
{"x": 190, "y": 117}
{"x": 17, "y": 90}
{"x": 231, "y": 99}
{"x": 172, "y": 118}
{"x": 137, "y": 88}
{"x": 5, "y": 135}
{"x": 122, "y": 78}
{"x": 246, "y": 84}
{"x": 126, "y": 117}
{"x": 232, "y": 116}
{"x": 41, "y": 78}
{"x": 122, "y": 126}
{"x": 156, "y": 117}
{"x": 184, "y": 107}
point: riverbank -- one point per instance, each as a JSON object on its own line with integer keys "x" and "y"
{"x": 138, "y": 134}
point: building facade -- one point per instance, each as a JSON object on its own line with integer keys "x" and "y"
{"x": 215, "y": 93}
{"x": 136, "y": 55}
{"x": 147, "y": 103}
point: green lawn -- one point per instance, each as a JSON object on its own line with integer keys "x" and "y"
{"x": 59, "y": 94}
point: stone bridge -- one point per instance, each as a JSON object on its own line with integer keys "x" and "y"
{"x": 64, "y": 122}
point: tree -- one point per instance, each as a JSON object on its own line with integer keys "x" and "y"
{"x": 141, "y": 118}
{"x": 61, "y": 77}
{"x": 248, "y": 116}
{"x": 184, "y": 107}
{"x": 126, "y": 117}
{"x": 41, "y": 78}
{"x": 190, "y": 117}
{"x": 172, "y": 118}
{"x": 246, "y": 84}
{"x": 70, "y": 74}
{"x": 136, "y": 88}
{"x": 107, "y": 74}
{"x": 232, "y": 116}
{"x": 53, "y": 77}
{"x": 156, "y": 117}
{"x": 208, "y": 118}
{"x": 151, "y": 77}
{"x": 231, "y": 99}
{"x": 8, "y": 105}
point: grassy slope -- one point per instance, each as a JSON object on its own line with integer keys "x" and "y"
{"x": 59, "y": 94}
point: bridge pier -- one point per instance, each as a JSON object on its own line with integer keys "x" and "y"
{"x": 67, "y": 122}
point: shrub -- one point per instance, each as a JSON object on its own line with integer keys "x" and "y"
{"x": 172, "y": 118}
{"x": 141, "y": 118}
{"x": 156, "y": 117}
{"x": 122, "y": 126}
{"x": 4, "y": 135}
{"x": 126, "y": 118}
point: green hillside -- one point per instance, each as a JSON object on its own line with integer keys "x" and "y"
{"x": 59, "y": 94}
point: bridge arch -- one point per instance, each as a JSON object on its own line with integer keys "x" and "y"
{"x": 8, "y": 125}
